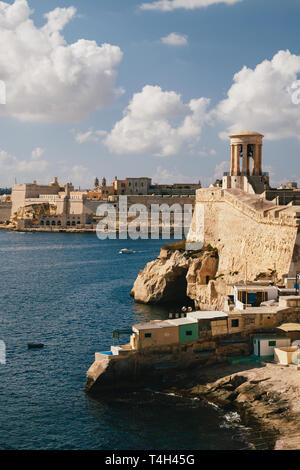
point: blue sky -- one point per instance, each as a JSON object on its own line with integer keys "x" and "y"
{"x": 175, "y": 127}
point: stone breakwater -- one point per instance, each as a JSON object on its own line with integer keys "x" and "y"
{"x": 266, "y": 396}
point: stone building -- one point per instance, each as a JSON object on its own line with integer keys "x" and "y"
{"x": 50, "y": 205}
{"x": 141, "y": 187}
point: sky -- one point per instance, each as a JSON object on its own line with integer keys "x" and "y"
{"x": 133, "y": 88}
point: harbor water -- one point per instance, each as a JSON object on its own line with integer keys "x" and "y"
{"x": 69, "y": 292}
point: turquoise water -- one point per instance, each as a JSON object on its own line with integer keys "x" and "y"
{"x": 70, "y": 291}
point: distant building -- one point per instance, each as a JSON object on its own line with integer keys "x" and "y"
{"x": 142, "y": 186}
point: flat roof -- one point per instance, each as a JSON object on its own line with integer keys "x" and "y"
{"x": 290, "y": 297}
{"x": 182, "y": 321}
{"x": 269, "y": 337}
{"x": 254, "y": 288}
{"x": 289, "y": 327}
{"x": 258, "y": 310}
{"x": 152, "y": 325}
{"x": 207, "y": 315}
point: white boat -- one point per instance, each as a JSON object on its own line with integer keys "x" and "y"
{"x": 126, "y": 251}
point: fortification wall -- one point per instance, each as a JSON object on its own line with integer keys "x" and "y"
{"x": 248, "y": 232}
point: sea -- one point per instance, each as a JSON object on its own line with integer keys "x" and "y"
{"x": 69, "y": 292}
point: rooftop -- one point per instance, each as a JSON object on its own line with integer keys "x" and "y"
{"x": 242, "y": 133}
{"x": 153, "y": 324}
{"x": 182, "y": 321}
{"x": 257, "y": 310}
{"x": 289, "y": 327}
{"x": 209, "y": 315}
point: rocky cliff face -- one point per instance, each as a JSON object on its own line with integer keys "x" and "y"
{"x": 33, "y": 213}
{"x": 178, "y": 275}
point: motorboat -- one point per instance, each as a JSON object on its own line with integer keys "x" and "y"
{"x": 126, "y": 251}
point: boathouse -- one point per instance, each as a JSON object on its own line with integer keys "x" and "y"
{"x": 264, "y": 345}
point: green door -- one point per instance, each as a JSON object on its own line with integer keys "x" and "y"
{"x": 188, "y": 333}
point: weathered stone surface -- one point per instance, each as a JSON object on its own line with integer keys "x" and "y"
{"x": 266, "y": 396}
{"x": 162, "y": 280}
{"x": 173, "y": 275}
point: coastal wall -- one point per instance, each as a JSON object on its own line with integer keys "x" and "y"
{"x": 153, "y": 366}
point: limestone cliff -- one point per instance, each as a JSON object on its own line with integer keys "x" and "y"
{"x": 176, "y": 275}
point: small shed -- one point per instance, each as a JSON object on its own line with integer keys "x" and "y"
{"x": 187, "y": 329}
{"x": 253, "y": 295}
{"x": 214, "y": 321}
{"x": 292, "y": 330}
{"x": 264, "y": 345}
{"x": 289, "y": 301}
{"x": 155, "y": 333}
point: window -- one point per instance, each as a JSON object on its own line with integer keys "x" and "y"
{"x": 272, "y": 343}
{"x": 189, "y": 333}
{"x": 148, "y": 335}
{"x": 235, "y": 323}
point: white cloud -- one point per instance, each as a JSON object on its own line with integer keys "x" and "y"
{"x": 220, "y": 169}
{"x": 37, "y": 153}
{"x": 11, "y": 166}
{"x": 167, "y": 176}
{"x": 261, "y": 99}
{"x": 81, "y": 176}
{"x": 89, "y": 136}
{"x": 149, "y": 126}
{"x": 170, "y": 5}
{"x": 46, "y": 78}
{"x": 175, "y": 39}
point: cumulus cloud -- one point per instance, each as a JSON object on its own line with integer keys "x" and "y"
{"x": 175, "y": 39}
{"x": 220, "y": 169}
{"x": 167, "y": 176}
{"x": 11, "y": 166}
{"x": 47, "y": 79}
{"x": 170, "y": 5}
{"x": 37, "y": 153}
{"x": 158, "y": 122}
{"x": 89, "y": 136}
{"x": 262, "y": 99}
{"x": 81, "y": 176}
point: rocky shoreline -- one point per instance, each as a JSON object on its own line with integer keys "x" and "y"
{"x": 266, "y": 396}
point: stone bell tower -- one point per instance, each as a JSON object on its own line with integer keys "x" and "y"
{"x": 246, "y": 163}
